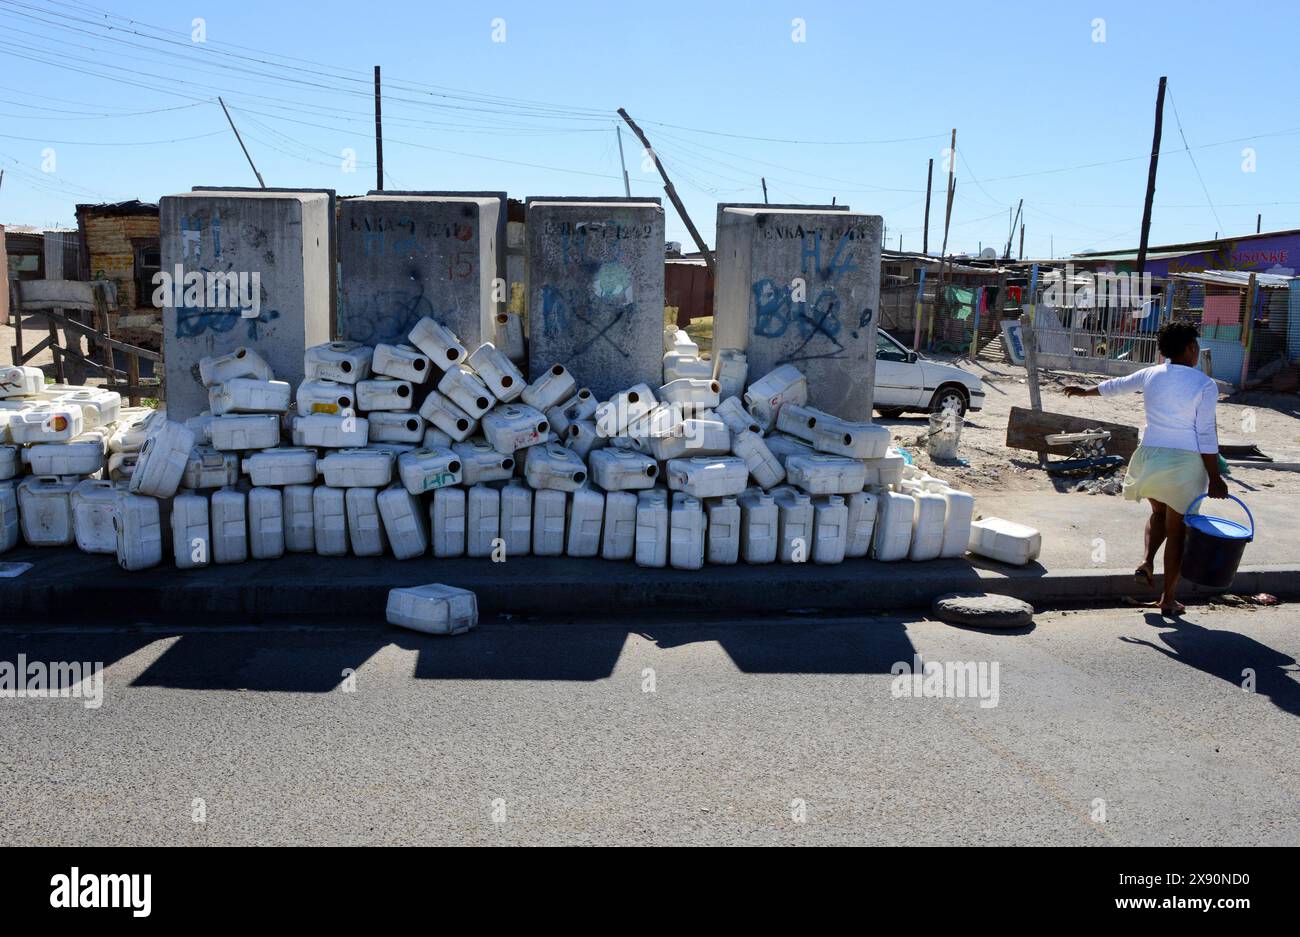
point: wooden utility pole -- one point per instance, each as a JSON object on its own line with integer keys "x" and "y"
{"x": 1007, "y": 254}
{"x": 669, "y": 189}
{"x": 925, "y": 231}
{"x": 764, "y": 181}
{"x": 241, "y": 142}
{"x": 622, "y": 161}
{"x": 1259, "y": 220}
{"x": 1151, "y": 179}
{"x": 379, "y": 136}
{"x": 1021, "y": 254}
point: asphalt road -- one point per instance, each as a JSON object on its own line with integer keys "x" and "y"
{"x": 1109, "y": 728}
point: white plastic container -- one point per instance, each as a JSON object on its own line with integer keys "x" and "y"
{"x": 162, "y": 460}
{"x": 618, "y": 538}
{"x": 796, "y": 523}
{"x": 957, "y": 519}
{"x": 229, "y": 522}
{"x": 514, "y": 426}
{"x": 357, "y": 468}
{"x": 517, "y": 518}
{"x": 11, "y": 463}
{"x": 99, "y": 407}
{"x": 586, "y": 513}
{"x": 426, "y": 469}
{"x": 246, "y": 395}
{"x": 244, "y": 431}
{"x": 770, "y": 393}
{"x": 93, "y": 504}
{"x": 782, "y": 447}
{"x": 554, "y": 467}
{"x": 693, "y": 437}
{"x": 679, "y": 365}
{"x": 201, "y": 427}
{"x": 680, "y": 341}
{"x": 830, "y": 529}
{"x": 481, "y": 462}
{"x": 324, "y": 431}
{"x": 299, "y": 524}
{"x": 737, "y": 419}
{"x": 582, "y": 438}
{"x": 21, "y": 380}
{"x": 862, "y": 523}
{"x": 46, "y": 422}
{"x": 830, "y": 434}
{"x": 8, "y": 409}
{"x": 435, "y": 438}
{"x": 508, "y": 335}
{"x": 345, "y": 362}
{"x": 886, "y": 471}
{"x": 483, "y": 525}
{"x": 623, "y": 409}
{"x": 433, "y": 609}
{"x": 581, "y": 406}
{"x": 652, "y": 528}
{"x": 447, "y": 515}
{"x": 759, "y": 527}
{"x": 139, "y": 535}
{"x": 404, "y": 521}
{"x": 9, "y": 524}
{"x": 892, "y": 537}
{"x": 549, "y": 517}
{"x": 133, "y": 428}
{"x": 448, "y": 417}
{"x": 242, "y": 362}
{"x": 209, "y": 468}
{"x": 692, "y": 392}
{"x": 730, "y": 370}
{"x": 121, "y": 465}
{"x": 81, "y": 456}
{"x": 384, "y": 393}
{"x": 329, "y": 521}
{"x": 400, "y": 361}
{"x": 498, "y": 372}
{"x": 439, "y": 343}
{"x": 386, "y": 426}
{"x": 820, "y": 474}
{"x": 552, "y": 387}
{"x": 622, "y": 469}
{"x": 764, "y": 467}
{"x": 365, "y": 527}
{"x": 325, "y": 397}
{"x": 927, "y": 523}
{"x": 191, "y": 535}
{"x": 686, "y": 532}
{"x": 710, "y": 477}
{"x": 265, "y": 523}
{"x": 280, "y": 466}
{"x": 466, "y": 390}
{"x": 1005, "y": 541}
{"x": 723, "y": 530}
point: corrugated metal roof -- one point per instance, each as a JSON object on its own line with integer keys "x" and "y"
{"x": 1238, "y": 278}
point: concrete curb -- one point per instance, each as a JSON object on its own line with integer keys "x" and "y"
{"x": 66, "y": 585}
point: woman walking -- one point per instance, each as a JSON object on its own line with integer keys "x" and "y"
{"x": 1178, "y": 459}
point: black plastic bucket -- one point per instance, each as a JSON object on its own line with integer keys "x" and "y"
{"x": 1214, "y": 546}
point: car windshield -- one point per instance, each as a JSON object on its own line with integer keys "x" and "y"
{"x": 888, "y": 348}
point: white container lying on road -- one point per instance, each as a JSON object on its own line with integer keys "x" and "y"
{"x": 447, "y": 517}
{"x": 618, "y": 538}
{"x": 400, "y": 361}
{"x": 586, "y": 512}
{"x": 893, "y": 534}
{"x": 242, "y": 362}
{"x": 299, "y": 524}
{"x": 385, "y": 426}
{"x": 482, "y": 463}
{"x": 549, "y": 517}
{"x": 247, "y": 395}
{"x": 554, "y": 467}
{"x": 81, "y": 456}
{"x": 162, "y": 460}
{"x": 1005, "y": 541}
{"x": 365, "y": 527}
{"x": 759, "y": 527}
{"x": 730, "y": 369}
{"x": 581, "y": 406}
{"x": 711, "y": 477}
{"x": 405, "y": 523}
{"x": 265, "y": 523}
{"x": 229, "y": 523}
{"x": 433, "y": 609}
{"x": 281, "y": 466}
{"x": 466, "y": 390}
{"x": 514, "y": 426}
{"x": 517, "y": 518}
{"x": 796, "y": 522}
{"x": 326, "y": 431}
{"x": 139, "y": 536}
{"x": 325, "y": 397}
{"x": 45, "y": 509}
{"x": 426, "y": 469}
{"x": 345, "y": 362}
{"x": 498, "y": 372}
{"x": 622, "y": 469}
{"x": 243, "y": 431}
{"x": 210, "y": 468}
{"x": 957, "y": 519}
{"x": 384, "y": 393}
{"x": 927, "y": 523}
{"x": 830, "y": 529}
{"x": 820, "y": 474}
{"x": 723, "y": 530}
{"x": 446, "y": 416}
{"x": 438, "y": 343}
{"x": 766, "y": 468}
{"x": 483, "y": 520}
{"x": 552, "y": 387}
{"x": 686, "y": 532}
{"x": 330, "y": 521}
{"x": 191, "y": 535}
{"x": 93, "y": 504}
{"x": 652, "y": 528}
{"x": 357, "y": 468}
{"x": 770, "y": 393}
{"x": 862, "y": 523}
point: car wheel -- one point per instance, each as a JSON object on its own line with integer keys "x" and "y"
{"x": 890, "y": 413}
{"x": 949, "y": 397}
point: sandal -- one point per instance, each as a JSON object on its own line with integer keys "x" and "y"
{"x": 1143, "y": 577}
{"x": 1178, "y": 609}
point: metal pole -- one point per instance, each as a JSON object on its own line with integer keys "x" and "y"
{"x": 379, "y": 136}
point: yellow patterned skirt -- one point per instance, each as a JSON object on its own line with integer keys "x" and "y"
{"x": 1175, "y": 477}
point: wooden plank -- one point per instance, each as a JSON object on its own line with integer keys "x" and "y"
{"x": 1027, "y": 428}
{"x": 133, "y": 376}
{"x": 94, "y": 334}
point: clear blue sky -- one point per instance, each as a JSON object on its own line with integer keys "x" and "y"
{"x": 1025, "y": 84}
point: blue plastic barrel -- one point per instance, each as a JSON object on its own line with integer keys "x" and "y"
{"x": 1214, "y": 546}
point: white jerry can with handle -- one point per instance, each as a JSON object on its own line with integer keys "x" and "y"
{"x": 483, "y": 520}
{"x": 772, "y": 391}
{"x": 357, "y": 468}
{"x": 405, "y": 525}
{"x": 99, "y": 407}
{"x": 498, "y": 372}
{"x": 820, "y": 474}
{"x": 229, "y": 523}
{"x": 246, "y": 395}
{"x": 723, "y": 516}
{"x": 582, "y": 439}
{"x": 782, "y": 447}
{"x": 133, "y": 427}
{"x": 447, "y": 517}
{"x": 265, "y": 523}
{"x": 517, "y": 518}
{"x": 325, "y": 397}
{"x": 299, "y": 523}
{"x": 759, "y": 527}
{"x": 581, "y": 406}
{"x": 830, "y": 434}
{"x": 345, "y": 362}
{"x": 9, "y": 524}
{"x": 426, "y": 469}
{"x": 121, "y": 465}
{"x": 928, "y": 515}
{"x": 686, "y": 533}
{"x": 385, "y": 393}
{"x": 737, "y": 419}
{"x": 554, "y": 467}
{"x": 466, "y": 390}
{"x": 514, "y": 426}
{"x": 693, "y": 392}
{"x": 386, "y": 426}
{"x": 210, "y": 468}
{"x": 47, "y": 422}
{"x": 694, "y": 437}
{"x": 328, "y": 431}
{"x": 892, "y": 538}
{"x": 191, "y": 535}
{"x": 652, "y": 528}
{"x": 481, "y": 462}
{"x": 862, "y": 523}
{"x": 433, "y": 609}
{"x": 139, "y": 536}
{"x": 329, "y": 521}
{"x": 623, "y": 469}
{"x": 796, "y": 520}
{"x": 10, "y": 462}
{"x": 684, "y": 365}
{"x": 400, "y": 361}
{"x": 549, "y": 517}
{"x": 709, "y": 477}
{"x": 242, "y": 362}
{"x": 8, "y": 409}
{"x": 552, "y": 386}
{"x": 243, "y": 431}
{"x": 508, "y": 335}
{"x": 162, "y": 460}
{"x": 81, "y": 456}
{"x": 830, "y": 529}
{"x": 439, "y": 343}
{"x": 288, "y": 465}
{"x": 730, "y": 369}
{"x": 618, "y": 539}
{"x": 21, "y": 380}
{"x": 586, "y": 512}
{"x": 957, "y": 518}
{"x": 365, "y": 527}
{"x": 623, "y": 409}
{"x": 1004, "y": 541}
{"x": 766, "y": 470}
{"x": 93, "y": 504}
{"x": 447, "y": 416}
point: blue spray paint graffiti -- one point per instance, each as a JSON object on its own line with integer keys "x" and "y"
{"x": 194, "y": 321}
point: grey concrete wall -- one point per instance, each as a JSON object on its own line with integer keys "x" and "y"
{"x": 281, "y": 236}
{"x": 595, "y": 286}
{"x": 801, "y": 286}
{"x": 403, "y": 256}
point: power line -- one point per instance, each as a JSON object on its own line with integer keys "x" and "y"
{"x": 1188, "y": 149}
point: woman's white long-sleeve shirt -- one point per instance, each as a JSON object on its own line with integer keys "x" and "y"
{"x": 1179, "y": 403}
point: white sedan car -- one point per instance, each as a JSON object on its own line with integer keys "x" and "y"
{"x": 906, "y": 380}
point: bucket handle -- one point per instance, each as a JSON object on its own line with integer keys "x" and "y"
{"x": 1200, "y": 498}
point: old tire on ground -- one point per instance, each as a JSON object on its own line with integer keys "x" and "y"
{"x": 981, "y": 610}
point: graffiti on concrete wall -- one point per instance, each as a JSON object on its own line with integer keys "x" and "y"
{"x": 597, "y": 301}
